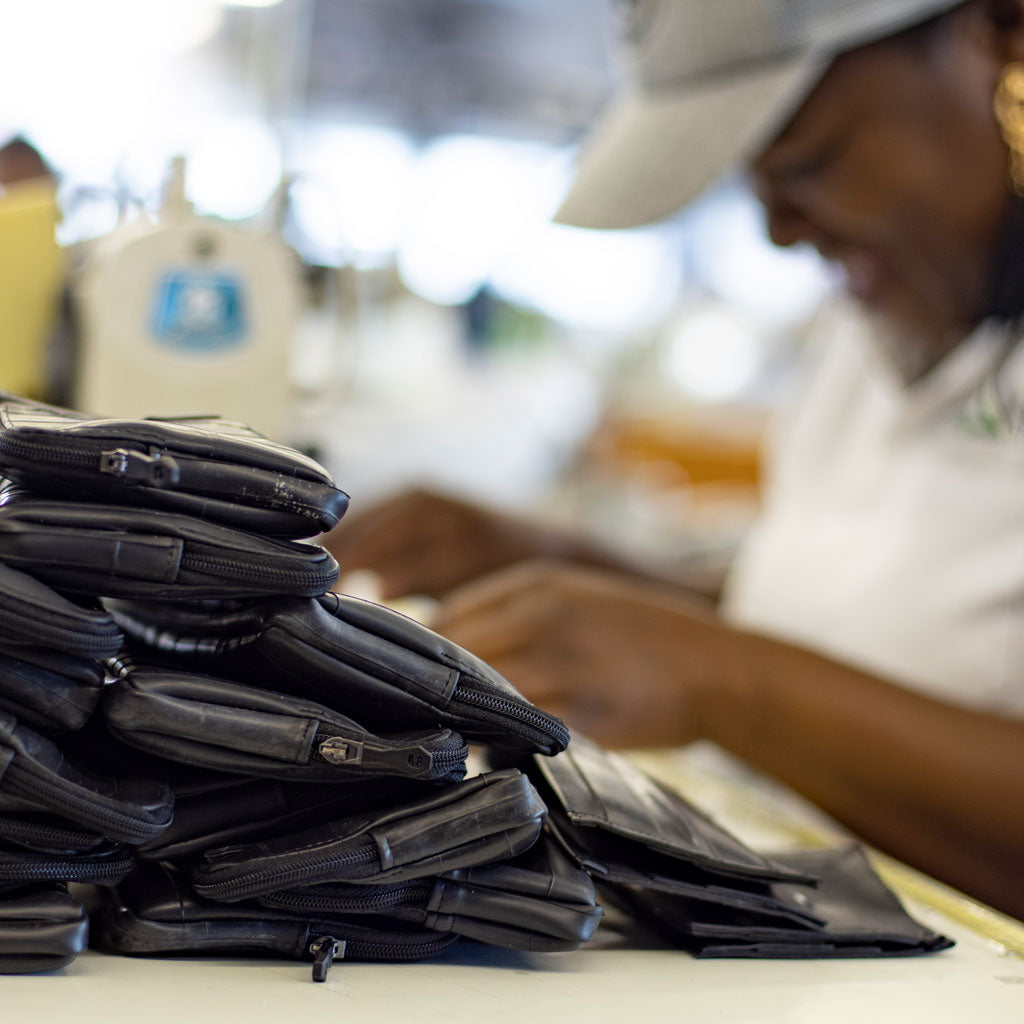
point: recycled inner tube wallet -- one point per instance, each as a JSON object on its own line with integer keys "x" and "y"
{"x": 853, "y": 914}
{"x": 156, "y": 912}
{"x": 115, "y": 551}
{"x": 538, "y": 902}
{"x": 489, "y": 817}
{"x": 675, "y": 871}
{"x": 200, "y": 720}
{"x": 211, "y": 468}
{"x": 354, "y": 656}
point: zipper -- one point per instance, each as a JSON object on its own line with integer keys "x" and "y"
{"x": 365, "y": 901}
{"x": 46, "y": 838}
{"x": 411, "y": 761}
{"x": 518, "y": 712}
{"x": 152, "y": 467}
{"x": 97, "y": 872}
{"x": 129, "y": 465}
{"x": 112, "y": 823}
{"x": 254, "y": 882}
{"x": 41, "y": 633}
{"x": 209, "y": 560}
{"x": 261, "y": 487}
{"x": 357, "y": 950}
{"x": 326, "y": 949}
{"x": 47, "y": 452}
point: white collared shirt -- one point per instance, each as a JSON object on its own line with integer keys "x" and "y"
{"x": 892, "y": 534}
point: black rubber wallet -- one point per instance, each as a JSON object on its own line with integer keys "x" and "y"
{"x": 156, "y": 912}
{"x": 208, "y": 467}
{"x": 853, "y": 914}
{"x": 538, "y": 901}
{"x": 116, "y": 551}
{"x": 486, "y": 818}
{"x": 614, "y": 814}
{"x": 229, "y": 727}
{"x": 676, "y": 872}
{"x": 356, "y": 657}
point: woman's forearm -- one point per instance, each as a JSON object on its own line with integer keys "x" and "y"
{"x": 933, "y": 784}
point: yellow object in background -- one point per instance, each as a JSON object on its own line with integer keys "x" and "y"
{"x": 31, "y": 277}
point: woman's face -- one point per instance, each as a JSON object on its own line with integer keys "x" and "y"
{"x": 895, "y": 169}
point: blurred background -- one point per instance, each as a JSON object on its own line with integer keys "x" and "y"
{"x": 332, "y": 219}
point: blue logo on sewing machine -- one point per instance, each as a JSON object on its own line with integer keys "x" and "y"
{"x": 200, "y": 311}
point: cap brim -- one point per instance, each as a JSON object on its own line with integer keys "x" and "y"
{"x": 651, "y": 153}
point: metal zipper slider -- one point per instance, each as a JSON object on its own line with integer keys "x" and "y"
{"x": 325, "y": 951}
{"x": 338, "y": 750}
{"x": 157, "y": 470}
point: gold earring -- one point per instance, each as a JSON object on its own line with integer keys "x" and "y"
{"x": 1008, "y": 104}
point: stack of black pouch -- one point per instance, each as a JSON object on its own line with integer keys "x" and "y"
{"x": 430, "y": 855}
{"x": 676, "y": 872}
{"x": 180, "y": 510}
{"x": 176, "y": 509}
{"x": 298, "y": 716}
{"x": 536, "y": 900}
{"x": 413, "y": 868}
{"x": 314, "y": 745}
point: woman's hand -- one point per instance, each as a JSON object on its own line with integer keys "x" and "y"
{"x": 420, "y": 542}
{"x": 626, "y": 662}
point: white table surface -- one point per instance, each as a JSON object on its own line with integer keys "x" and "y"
{"x": 611, "y": 980}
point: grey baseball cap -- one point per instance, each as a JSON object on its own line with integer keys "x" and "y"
{"x": 708, "y": 82}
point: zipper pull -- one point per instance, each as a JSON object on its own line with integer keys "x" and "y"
{"x": 157, "y": 470}
{"x": 325, "y": 951}
{"x": 408, "y": 761}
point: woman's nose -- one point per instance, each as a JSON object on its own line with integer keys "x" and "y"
{"x": 785, "y": 221}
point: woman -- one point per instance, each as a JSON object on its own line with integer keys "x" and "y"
{"x": 871, "y": 652}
